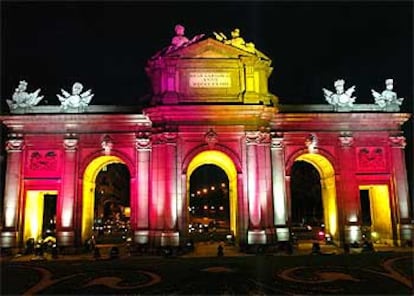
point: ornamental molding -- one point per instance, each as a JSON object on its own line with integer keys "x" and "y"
{"x": 346, "y": 139}
{"x": 398, "y": 142}
{"x": 261, "y": 136}
{"x": 43, "y": 161}
{"x": 164, "y": 138}
{"x": 211, "y": 138}
{"x": 311, "y": 142}
{"x": 107, "y": 144}
{"x": 14, "y": 143}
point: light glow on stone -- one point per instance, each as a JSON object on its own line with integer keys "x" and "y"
{"x": 380, "y": 210}
{"x": 327, "y": 175}
{"x": 33, "y": 219}
{"x": 224, "y": 162}
{"x": 353, "y": 233}
{"x": 88, "y": 201}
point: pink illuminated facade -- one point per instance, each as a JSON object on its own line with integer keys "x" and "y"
{"x": 210, "y": 105}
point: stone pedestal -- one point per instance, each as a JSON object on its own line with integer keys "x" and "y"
{"x": 352, "y": 233}
{"x": 65, "y": 238}
{"x": 8, "y": 239}
{"x": 170, "y": 239}
{"x": 141, "y": 236}
{"x": 256, "y": 237}
{"x": 282, "y": 234}
{"x": 406, "y": 233}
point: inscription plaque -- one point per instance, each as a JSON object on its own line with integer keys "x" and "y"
{"x": 209, "y": 80}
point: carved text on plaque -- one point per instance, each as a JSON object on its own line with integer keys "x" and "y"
{"x": 209, "y": 79}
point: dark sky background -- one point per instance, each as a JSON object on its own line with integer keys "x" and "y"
{"x": 105, "y": 45}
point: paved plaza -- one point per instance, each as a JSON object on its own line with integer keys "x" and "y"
{"x": 386, "y": 271}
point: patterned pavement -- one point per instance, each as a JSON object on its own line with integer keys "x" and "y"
{"x": 384, "y": 272}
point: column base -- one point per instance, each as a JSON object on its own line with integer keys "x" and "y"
{"x": 352, "y": 233}
{"x": 141, "y": 236}
{"x": 170, "y": 239}
{"x": 8, "y": 239}
{"x": 65, "y": 238}
{"x": 283, "y": 234}
{"x": 256, "y": 237}
{"x": 406, "y": 234}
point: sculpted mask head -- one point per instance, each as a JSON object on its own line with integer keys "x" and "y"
{"x": 77, "y": 88}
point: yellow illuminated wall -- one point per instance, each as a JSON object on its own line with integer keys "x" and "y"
{"x": 327, "y": 174}
{"x": 379, "y": 199}
{"x": 33, "y": 218}
{"x": 88, "y": 192}
{"x": 224, "y": 162}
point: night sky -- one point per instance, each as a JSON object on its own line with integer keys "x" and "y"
{"x": 105, "y": 45}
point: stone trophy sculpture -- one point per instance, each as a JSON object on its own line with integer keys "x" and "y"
{"x": 76, "y": 100}
{"x": 341, "y": 98}
{"x": 22, "y": 99}
{"x": 388, "y": 98}
{"x": 236, "y": 40}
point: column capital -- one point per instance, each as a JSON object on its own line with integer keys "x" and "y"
{"x": 70, "y": 142}
{"x": 166, "y": 137}
{"x": 397, "y": 141}
{"x": 346, "y": 139}
{"x": 14, "y": 143}
{"x": 143, "y": 141}
{"x": 257, "y": 137}
{"x": 277, "y": 140}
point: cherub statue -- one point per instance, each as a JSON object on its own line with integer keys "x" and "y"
{"x": 179, "y": 39}
{"x": 23, "y": 99}
{"x": 340, "y": 98}
{"x": 76, "y": 99}
{"x": 388, "y": 96}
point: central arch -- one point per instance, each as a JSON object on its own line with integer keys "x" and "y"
{"x": 88, "y": 191}
{"x": 328, "y": 190}
{"x": 224, "y": 162}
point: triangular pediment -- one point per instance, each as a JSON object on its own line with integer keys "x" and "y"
{"x": 209, "y": 48}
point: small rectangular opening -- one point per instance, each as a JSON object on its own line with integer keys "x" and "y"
{"x": 365, "y": 207}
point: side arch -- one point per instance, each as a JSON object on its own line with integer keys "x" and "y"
{"x": 88, "y": 190}
{"x": 202, "y": 148}
{"x": 126, "y": 159}
{"x": 223, "y": 161}
{"x": 328, "y": 185}
{"x": 322, "y": 152}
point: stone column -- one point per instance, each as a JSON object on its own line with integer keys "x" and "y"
{"x": 163, "y": 212}
{"x": 349, "y": 212}
{"x": 280, "y": 208}
{"x": 170, "y": 235}
{"x": 143, "y": 146}
{"x": 399, "y": 177}
{"x": 256, "y": 235}
{"x": 9, "y": 235}
{"x": 65, "y": 234}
